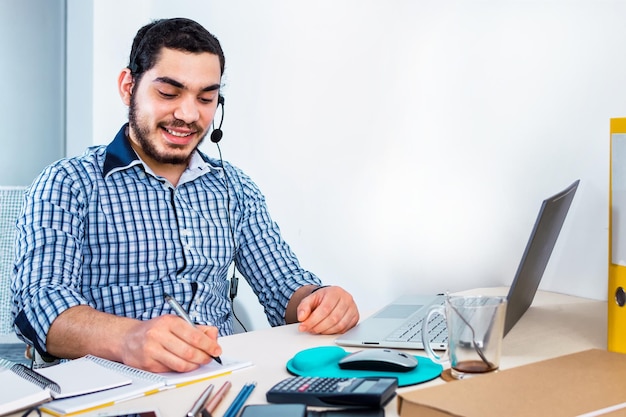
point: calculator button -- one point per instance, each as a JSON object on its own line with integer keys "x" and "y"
{"x": 343, "y": 385}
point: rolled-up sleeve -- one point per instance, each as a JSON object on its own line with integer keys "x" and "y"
{"x": 47, "y": 269}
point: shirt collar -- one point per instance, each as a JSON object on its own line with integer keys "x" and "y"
{"x": 121, "y": 156}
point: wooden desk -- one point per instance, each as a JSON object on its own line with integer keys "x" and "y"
{"x": 555, "y": 325}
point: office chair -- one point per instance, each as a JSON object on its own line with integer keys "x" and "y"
{"x": 11, "y": 201}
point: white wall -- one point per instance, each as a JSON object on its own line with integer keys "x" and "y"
{"x": 406, "y": 145}
{"x": 80, "y": 67}
{"x": 32, "y": 47}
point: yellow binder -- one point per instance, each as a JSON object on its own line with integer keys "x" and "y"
{"x": 616, "y": 331}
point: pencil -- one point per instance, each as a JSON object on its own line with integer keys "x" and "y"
{"x": 240, "y": 400}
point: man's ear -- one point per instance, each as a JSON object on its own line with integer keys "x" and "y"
{"x": 125, "y": 85}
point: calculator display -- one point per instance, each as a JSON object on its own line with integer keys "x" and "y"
{"x": 365, "y": 386}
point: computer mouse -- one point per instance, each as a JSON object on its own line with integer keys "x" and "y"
{"x": 375, "y": 359}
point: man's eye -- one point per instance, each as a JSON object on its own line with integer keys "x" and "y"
{"x": 206, "y": 100}
{"x": 166, "y": 95}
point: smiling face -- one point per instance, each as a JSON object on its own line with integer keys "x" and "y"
{"x": 172, "y": 107}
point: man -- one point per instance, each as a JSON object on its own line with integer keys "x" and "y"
{"x": 105, "y": 236}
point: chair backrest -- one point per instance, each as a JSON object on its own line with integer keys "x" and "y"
{"x": 11, "y": 201}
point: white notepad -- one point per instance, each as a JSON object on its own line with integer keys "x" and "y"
{"x": 143, "y": 383}
{"x": 21, "y": 387}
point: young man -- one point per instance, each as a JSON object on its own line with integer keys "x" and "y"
{"x": 105, "y": 236}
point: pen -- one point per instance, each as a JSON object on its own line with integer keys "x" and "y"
{"x": 215, "y": 401}
{"x": 182, "y": 313}
{"x": 200, "y": 402}
{"x": 239, "y": 400}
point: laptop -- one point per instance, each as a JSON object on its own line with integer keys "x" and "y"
{"x": 399, "y": 324}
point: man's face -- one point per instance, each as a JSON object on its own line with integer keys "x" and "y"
{"x": 172, "y": 107}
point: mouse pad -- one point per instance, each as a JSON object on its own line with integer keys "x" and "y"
{"x": 323, "y": 361}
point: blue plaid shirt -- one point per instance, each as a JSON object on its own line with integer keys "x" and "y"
{"x": 102, "y": 230}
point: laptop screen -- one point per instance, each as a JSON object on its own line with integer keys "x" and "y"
{"x": 538, "y": 250}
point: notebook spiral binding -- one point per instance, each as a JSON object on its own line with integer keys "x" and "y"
{"x": 125, "y": 369}
{"x": 37, "y": 379}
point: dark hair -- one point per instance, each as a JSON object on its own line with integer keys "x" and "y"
{"x": 177, "y": 33}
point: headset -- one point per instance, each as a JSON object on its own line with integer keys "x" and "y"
{"x": 216, "y": 137}
{"x": 217, "y": 133}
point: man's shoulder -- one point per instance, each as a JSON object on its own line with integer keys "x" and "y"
{"x": 90, "y": 160}
{"x": 76, "y": 169}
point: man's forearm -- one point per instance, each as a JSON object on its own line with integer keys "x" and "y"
{"x": 82, "y": 330}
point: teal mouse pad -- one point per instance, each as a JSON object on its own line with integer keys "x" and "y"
{"x": 323, "y": 361}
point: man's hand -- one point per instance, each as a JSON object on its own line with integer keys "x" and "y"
{"x": 165, "y": 343}
{"x": 329, "y": 310}
{"x": 168, "y": 343}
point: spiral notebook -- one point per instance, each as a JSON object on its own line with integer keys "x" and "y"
{"x": 22, "y": 387}
{"x": 142, "y": 383}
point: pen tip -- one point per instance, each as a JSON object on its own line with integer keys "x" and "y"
{"x": 217, "y": 359}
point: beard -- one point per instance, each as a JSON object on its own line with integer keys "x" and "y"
{"x": 142, "y": 136}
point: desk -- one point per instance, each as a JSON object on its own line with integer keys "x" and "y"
{"x": 555, "y": 325}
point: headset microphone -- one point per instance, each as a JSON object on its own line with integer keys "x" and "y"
{"x": 217, "y": 134}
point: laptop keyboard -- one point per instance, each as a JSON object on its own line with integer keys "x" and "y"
{"x": 411, "y": 330}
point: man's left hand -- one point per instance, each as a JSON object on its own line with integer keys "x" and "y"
{"x": 329, "y": 310}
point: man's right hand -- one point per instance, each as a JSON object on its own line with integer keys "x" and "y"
{"x": 168, "y": 343}
{"x": 162, "y": 344}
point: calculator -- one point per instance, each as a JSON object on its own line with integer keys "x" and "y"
{"x": 334, "y": 392}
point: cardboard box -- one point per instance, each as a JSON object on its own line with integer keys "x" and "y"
{"x": 567, "y": 386}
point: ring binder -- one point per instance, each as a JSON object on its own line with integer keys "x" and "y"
{"x": 616, "y": 314}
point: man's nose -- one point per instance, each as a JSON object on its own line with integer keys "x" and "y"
{"x": 187, "y": 110}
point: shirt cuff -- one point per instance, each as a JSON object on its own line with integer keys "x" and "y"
{"x": 319, "y": 288}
